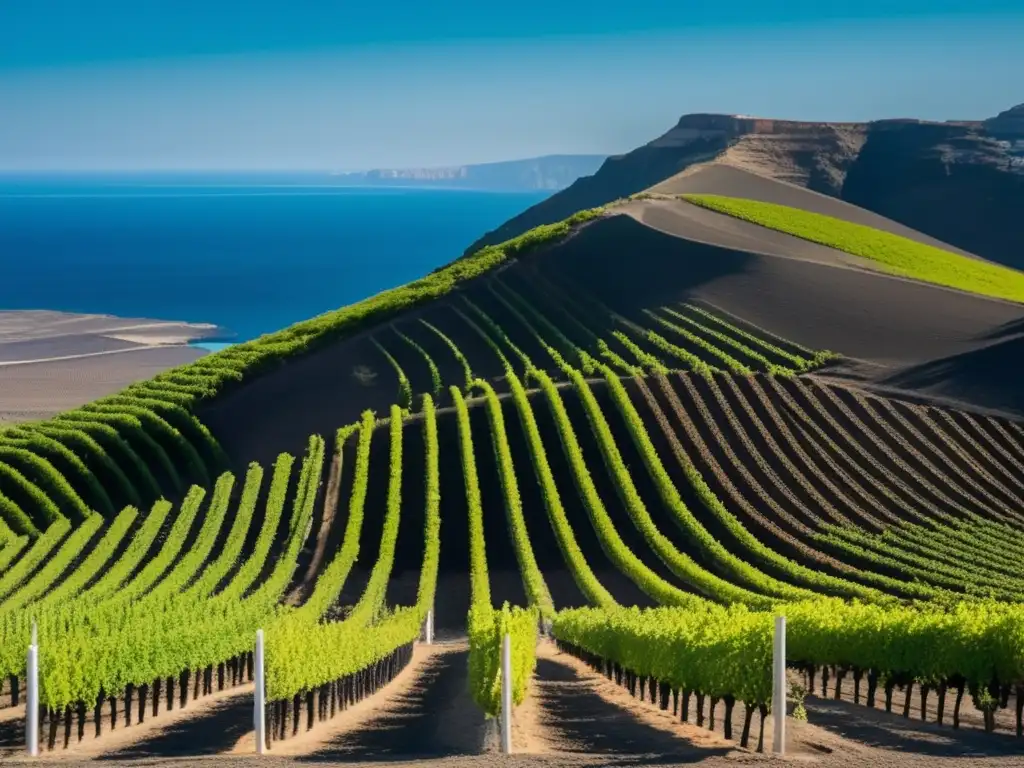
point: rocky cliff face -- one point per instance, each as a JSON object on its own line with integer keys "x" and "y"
{"x": 954, "y": 182}
{"x": 813, "y": 155}
{"x": 960, "y": 182}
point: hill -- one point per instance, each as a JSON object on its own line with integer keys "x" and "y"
{"x": 958, "y": 182}
{"x": 1008, "y": 126}
{"x": 537, "y": 173}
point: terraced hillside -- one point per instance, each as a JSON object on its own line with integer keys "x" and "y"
{"x": 634, "y": 409}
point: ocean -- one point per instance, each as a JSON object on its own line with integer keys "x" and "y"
{"x": 251, "y": 255}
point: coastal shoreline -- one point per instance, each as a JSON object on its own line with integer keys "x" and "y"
{"x": 52, "y": 361}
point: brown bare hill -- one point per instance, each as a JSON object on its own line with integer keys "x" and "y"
{"x": 895, "y": 333}
{"x": 958, "y": 183}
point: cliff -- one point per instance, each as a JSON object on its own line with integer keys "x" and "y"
{"x": 552, "y": 172}
{"x": 960, "y": 182}
{"x": 957, "y": 183}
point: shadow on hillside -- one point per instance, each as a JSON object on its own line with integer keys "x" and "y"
{"x": 988, "y": 376}
{"x": 629, "y": 265}
{"x": 1012, "y": 328}
{"x": 906, "y": 176}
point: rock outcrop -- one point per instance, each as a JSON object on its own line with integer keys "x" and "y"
{"x": 1008, "y": 124}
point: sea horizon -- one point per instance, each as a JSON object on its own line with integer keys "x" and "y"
{"x": 250, "y": 258}
{"x": 198, "y": 180}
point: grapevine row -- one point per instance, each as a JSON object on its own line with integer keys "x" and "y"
{"x": 796, "y": 572}
{"x": 404, "y": 388}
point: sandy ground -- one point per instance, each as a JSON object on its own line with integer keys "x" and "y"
{"x": 585, "y": 713}
{"x": 43, "y": 334}
{"x": 12, "y": 730}
{"x": 426, "y": 711}
{"x": 573, "y": 701}
{"x": 851, "y": 760}
{"x": 971, "y": 720}
{"x": 53, "y": 361}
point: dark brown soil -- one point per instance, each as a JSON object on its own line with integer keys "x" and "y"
{"x": 313, "y": 394}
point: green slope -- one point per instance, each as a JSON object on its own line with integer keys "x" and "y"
{"x": 892, "y": 253}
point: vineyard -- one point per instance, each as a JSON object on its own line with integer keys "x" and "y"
{"x": 494, "y": 450}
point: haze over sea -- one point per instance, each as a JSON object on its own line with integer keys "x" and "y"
{"x": 251, "y": 254}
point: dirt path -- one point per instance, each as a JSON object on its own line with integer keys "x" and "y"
{"x": 854, "y": 760}
{"x": 324, "y": 735}
{"x": 330, "y": 507}
{"x": 426, "y": 712}
{"x": 581, "y": 712}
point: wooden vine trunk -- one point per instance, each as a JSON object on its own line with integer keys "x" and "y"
{"x": 748, "y": 715}
{"x": 730, "y": 702}
{"x": 285, "y": 716}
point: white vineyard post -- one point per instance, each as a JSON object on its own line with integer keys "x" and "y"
{"x": 32, "y": 696}
{"x": 779, "y": 687}
{"x": 506, "y": 695}
{"x": 259, "y": 712}
{"x": 430, "y": 626}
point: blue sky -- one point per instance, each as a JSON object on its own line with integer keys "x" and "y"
{"x": 187, "y": 84}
